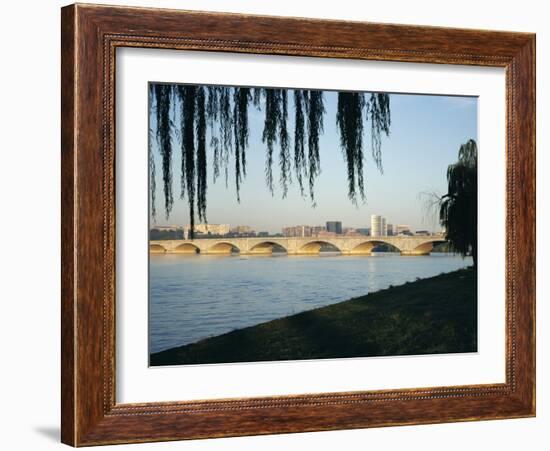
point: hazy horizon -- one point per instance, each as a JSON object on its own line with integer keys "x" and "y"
{"x": 425, "y": 135}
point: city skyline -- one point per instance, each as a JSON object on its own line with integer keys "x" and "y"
{"x": 332, "y": 227}
{"x": 415, "y": 158}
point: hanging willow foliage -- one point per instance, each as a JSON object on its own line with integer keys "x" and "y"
{"x": 162, "y": 95}
{"x": 241, "y": 98}
{"x": 222, "y": 113}
{"x": 378, "y": 110}
{"x": 269, "y": 135}
{"x": 226, "y": 127}
{"x": 213, "y": 114}
{"x": 300, "y": 167}
{"x": 187, "y": 103}
{"x": 315, "y": 111}
{"x": 152, "y": 168}
{"x": 284, "y": 154}
{"x": 349, "y": 120}
{"x": 200, "y": 124}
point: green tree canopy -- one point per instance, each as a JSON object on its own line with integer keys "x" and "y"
{"x": 458, "y": 208}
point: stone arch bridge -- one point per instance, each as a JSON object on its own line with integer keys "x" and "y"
{"x": 362, "y": 245}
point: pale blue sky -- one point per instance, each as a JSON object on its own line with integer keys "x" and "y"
{"x": 426, "y": 133}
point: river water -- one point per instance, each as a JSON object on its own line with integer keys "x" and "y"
{"x": 192, "y": 297}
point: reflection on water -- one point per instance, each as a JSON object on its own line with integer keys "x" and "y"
{"x": 194, "y": 297}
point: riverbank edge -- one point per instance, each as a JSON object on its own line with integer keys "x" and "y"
{"x": 428, "y": 316}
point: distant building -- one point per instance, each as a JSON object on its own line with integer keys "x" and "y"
{"x": 208, "y": 229}
{"x": 378, "y": 225}
{"x": 325, "y": 234}
{"x": 389, "y": 229}
{"x": 422, "y": 233}
{"x": 300, "y": 231}
{"x": 402, "y": 229}
{"x": 167, "y": 227}
{"x": 335, "y": 227}
{"x": 262, "y": 234}
{"x": 364, "y": 231}
{"x": 350, "y": 231}
{"x": 318, "y": 230}
{"x": 242, "y": 230}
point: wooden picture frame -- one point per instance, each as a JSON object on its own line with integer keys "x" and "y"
{"x": 90, "y": 36}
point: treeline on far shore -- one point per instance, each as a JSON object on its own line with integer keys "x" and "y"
{"x": 172, "y": 234}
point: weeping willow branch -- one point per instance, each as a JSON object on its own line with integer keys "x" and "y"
{"x": 349, "y": 120}
{"x": 212, "y": 115}
{"x": 300, "y": 167}
{"x": 241, "y": 98}
{"x": 200, "y": 119}
{"x": 269, "y": 135}
{"x": 284, "y": 155}
{"x": 378, "y": 108}
{"x": 226, "y": 128}
{"x": 192, "y": 113}
{"x": 180, "y": 95}
{"x": 188, "y": 148}
{"x": 257, "y": 98}
{"x": 315, "y": 112}
{"x": 162, "y": 94}
{"x": 152, "y": 167}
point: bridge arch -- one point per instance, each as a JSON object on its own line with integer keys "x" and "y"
{"x": 186, "y": 248}
{"x": 224, "y": 247}
{"x": 366, "y": 247}
{"x": 426, "y": 247}
{"x": 314, "y": 247}
{"x": 268, "y": 247}
{"x": 157, "y": 249}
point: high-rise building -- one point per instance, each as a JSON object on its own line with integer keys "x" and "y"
{"x": 334, "y": 227}
{"x": 389, "y": 229}
{"x": 378, "y": 225}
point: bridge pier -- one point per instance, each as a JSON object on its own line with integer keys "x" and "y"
{"x": 359, "y": 253}
{"x": 258, "y": 252}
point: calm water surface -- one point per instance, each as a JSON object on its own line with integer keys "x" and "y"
{"x": 194, "y": 297}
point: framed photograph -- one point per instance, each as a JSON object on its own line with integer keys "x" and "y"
{"x": 279, "y": 225}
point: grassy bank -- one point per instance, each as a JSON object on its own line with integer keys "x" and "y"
{"x": 434, "y": 315}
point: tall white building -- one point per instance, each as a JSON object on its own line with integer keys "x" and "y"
{"x": 378, "y": 226}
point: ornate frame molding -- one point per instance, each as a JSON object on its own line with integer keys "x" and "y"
{"x": 90, "y": 36}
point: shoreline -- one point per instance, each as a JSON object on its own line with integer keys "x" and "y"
{"x": 428, "y": 316}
